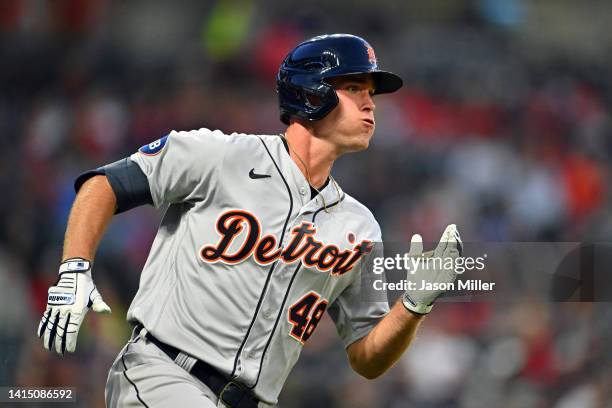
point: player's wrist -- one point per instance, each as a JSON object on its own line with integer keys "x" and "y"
{"x": 415, "y": 307}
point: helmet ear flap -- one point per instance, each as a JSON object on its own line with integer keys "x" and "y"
{"x": 318, "y": 100}
{"x": 312, "y": 101}
{"x": 303, "y": 97}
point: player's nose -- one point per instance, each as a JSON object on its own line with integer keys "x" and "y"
{"x": 368, "y": 104}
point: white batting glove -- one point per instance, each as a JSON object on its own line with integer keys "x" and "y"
{"x": 450, "y": 246}
{"x": 67, "y": 304}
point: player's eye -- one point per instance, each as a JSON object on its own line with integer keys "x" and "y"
{"x": 358, "y": 88}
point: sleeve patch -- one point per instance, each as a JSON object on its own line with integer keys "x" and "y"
{"x": 154, "y": 148}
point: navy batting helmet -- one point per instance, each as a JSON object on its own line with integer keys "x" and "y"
{"x": 300, "y": 83}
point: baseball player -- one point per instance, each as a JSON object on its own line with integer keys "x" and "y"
{"x": 257, "y": 242}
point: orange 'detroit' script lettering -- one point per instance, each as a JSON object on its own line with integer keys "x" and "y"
{"x": 303, "y": 246}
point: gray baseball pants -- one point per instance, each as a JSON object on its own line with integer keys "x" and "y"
{"x": 144, "y": 376}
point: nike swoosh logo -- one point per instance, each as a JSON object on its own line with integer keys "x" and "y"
{"x": 254, "y": 175}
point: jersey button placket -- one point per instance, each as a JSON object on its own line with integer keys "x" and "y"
{"x": 267, "y": 313}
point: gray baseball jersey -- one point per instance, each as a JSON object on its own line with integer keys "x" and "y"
{"x": 245, "y": 263}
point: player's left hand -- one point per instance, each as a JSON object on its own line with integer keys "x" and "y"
{"x": 432, "y": 273}
{"x": 68, "y": 302}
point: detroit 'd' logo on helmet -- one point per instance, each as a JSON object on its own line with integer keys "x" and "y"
{"x": 241, "y": 224}
{"x": 371, "y": 55}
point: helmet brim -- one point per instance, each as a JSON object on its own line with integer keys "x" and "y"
{"x": 384, "y": 81}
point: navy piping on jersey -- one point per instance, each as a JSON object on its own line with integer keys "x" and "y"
{"x": 280, "y": 242}
{"x": 280, "y": 312}
{"x": 128, "y": 378}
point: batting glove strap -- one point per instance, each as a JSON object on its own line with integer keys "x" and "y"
{"x": 75, "y": 265}
{"x": 418, "y": 308}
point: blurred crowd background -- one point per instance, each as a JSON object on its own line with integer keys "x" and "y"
{"x": 504, "y": 127}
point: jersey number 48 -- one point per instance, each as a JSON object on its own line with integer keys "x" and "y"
{"x": 305, "y": 315}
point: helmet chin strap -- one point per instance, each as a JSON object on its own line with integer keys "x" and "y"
{"x": 282, "y": 135}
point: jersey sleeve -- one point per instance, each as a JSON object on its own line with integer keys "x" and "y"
{"x": 359, "y": 307}
{"x": 182, "y": 166}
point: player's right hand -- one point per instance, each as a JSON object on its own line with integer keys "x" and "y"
{"x": 67, "y": 304}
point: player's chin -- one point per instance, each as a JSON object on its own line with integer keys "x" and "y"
{"x": 368, "y": 133}
{"x": 360, "y": 142}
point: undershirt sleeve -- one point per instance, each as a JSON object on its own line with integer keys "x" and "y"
{"x": 127, "y": 180}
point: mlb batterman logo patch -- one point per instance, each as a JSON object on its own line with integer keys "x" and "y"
{"x": 154, "y": 148}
